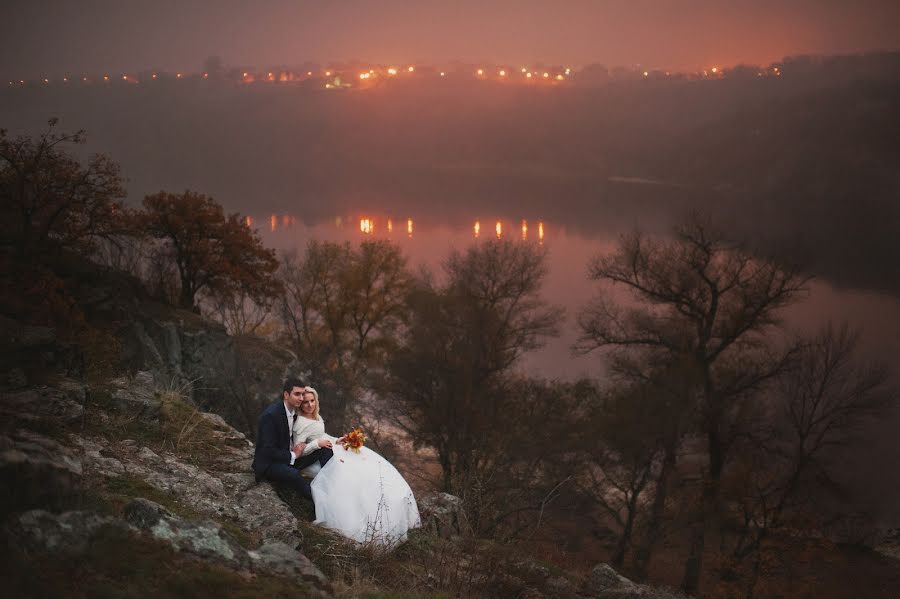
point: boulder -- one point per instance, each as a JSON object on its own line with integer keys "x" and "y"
{"x": 280, "y": 559}
{"x": 889, "y": 543}
{"x": 37, "y": 530}
{"x": 94, "y": 460}
{"x": 235, "y": 496}
{"x": 204, "y": 538}
{"x": 232, "y": 376}
{"x": 236, "y": 377}
{"x": 137, "y": 395}
{"x": 59, "y": 406}
{"x": 37, "y": 472}
{"x": 207, "y": 540}
{"x": 605, "y": 583}
{"x": 73, "y": 533}
{"x": 31, "y": 352}
{"x": 443, "y": 515}
{"x": 603, "y": 578}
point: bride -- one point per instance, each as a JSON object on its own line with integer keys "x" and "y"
{"x": 361, "y": 495}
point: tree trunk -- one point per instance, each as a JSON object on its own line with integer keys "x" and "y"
{"x": 657, "y": 511}
{"x": 447, "y": 471}
{"x": 693, "y": 566}
{"x": 186, "y": 300}
{"x": 625, "y": 540}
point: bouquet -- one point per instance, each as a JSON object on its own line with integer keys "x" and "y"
{"x": 354, "y": 440}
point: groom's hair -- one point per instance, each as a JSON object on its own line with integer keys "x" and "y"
{"x": 291, "y": 382}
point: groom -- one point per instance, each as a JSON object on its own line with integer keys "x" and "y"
{"x": 276, "y": 458}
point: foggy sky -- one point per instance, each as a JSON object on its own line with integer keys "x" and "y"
{"x": 56, "y": 37}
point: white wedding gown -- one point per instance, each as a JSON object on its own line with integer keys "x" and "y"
{"x": 362, "y": 496}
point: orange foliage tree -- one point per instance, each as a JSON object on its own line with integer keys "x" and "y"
{"x": 216, "y": 255}
{"x": 49, "y": 200}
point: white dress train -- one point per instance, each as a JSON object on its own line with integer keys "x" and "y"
{"x": 361, "y": 495}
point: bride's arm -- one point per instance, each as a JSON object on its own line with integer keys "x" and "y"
{"x": 316, "y": 443}
{"x": 314, "y": 436}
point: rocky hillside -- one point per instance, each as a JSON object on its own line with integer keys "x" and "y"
{"x": 116, "y": 327}
{"x": 115, "y": 482}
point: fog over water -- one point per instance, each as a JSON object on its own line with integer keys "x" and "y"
{"x": 805, "y": 168}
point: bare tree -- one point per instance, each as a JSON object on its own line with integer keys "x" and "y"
{"x": 342, "y": 312}
{"x": 621, "y": 450}
{"x": 450, "y": 386}
{"x": 240, "y": 314}
{"x": 702, "y": 300}
{"x": 819, "y": 404}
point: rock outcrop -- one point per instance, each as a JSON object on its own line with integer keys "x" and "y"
{"x": 231, "y": 376}
{"x": 73, "y": 532}
{"x": 206, "y": 476}
{"x": 36, "y": 470}
{"x": 605, "y": 583}
{"x": 442, "y": 514}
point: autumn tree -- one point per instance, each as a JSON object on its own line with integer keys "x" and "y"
{"x": 342, "y": 312}
{"x": 451, "y": 386}
{"x": 50, "y": 200}
{"x": 214, "y": 254}
{"x": 699, "y": 299}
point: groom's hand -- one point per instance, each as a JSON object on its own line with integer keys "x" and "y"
{"x": 298, "y": 449}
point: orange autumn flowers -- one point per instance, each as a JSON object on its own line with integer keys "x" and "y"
{"x": 354, "y": 440}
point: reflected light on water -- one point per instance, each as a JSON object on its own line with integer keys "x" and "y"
{"x": 367, "y": 225}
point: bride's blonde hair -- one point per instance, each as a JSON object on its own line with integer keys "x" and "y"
{"x": 315, "y": 395}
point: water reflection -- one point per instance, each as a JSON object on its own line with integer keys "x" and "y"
{"x": 567, "y": 284}
{"x": 368, "y": 225}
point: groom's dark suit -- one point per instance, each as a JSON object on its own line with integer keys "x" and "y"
{"x": 272, "y": 456}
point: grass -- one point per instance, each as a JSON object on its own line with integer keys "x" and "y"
{"x": 180, "y": 428}
{"x": 425, "y": 566}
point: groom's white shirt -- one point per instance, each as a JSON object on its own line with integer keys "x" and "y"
{"x": 290, "y": 423}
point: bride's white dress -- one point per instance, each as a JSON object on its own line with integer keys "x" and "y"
{"x": 361, "y": 495}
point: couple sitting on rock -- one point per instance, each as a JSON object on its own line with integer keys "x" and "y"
{"x": 355, "y": 491}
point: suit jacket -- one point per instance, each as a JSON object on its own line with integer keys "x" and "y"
{"x": 273, "y": 440}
